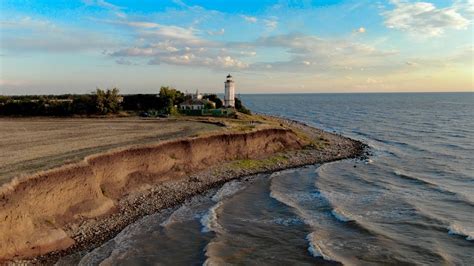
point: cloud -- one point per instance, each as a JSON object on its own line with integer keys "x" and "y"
{"x": 248, "y": 53}
{"x": 101, "y": 3}
{"x": 462, "y": 56}
{"x": 175, "y": 45}
{"x": 172, "y": 32}
{"x": 32, "y": 35}
{"x": 190, "y": 59}
{"x": 422, "y": 18}
{"x": 271, "y": 24}
{"x": 29, "y": 23}
{"x": 250, "y": 19}
{"x": 312, "y": 53}
{"x": 360, "y": 30}
{"x": 218, "y": 32}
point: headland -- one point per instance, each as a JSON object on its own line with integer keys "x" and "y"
{"x": 62, "y": 209}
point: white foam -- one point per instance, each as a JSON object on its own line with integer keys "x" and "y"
{"x": 287, "y": 221}
{"x": 209, "y": 221}
{"x": 315, "y": 249}
{"x": 190, "y": 210}
{"x": 341, "y": 216}
{"x": 456, "y": 229}
{"x": 227, "y": 190}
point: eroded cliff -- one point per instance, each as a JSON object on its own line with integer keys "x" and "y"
{"x": 35, "y": 210}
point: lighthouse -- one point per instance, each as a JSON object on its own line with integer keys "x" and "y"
{"x": 229, "y": 96}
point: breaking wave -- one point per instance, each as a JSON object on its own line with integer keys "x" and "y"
{"x": 456, "y": 229}
{"x": 209, "y": 221}
{"x": 315, "y": 250}
{"x": 341, "y": 215}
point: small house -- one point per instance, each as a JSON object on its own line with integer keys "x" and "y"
{"x": 197, "y": 104}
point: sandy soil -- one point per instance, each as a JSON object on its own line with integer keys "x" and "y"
{"x": 28, "y": 145}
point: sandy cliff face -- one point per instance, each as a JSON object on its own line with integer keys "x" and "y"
{"x": 35, "y": 210}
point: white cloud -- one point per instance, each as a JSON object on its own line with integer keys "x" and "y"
{"x": 29, "y": 23}
{"x": 248, "y": 53}
{"x": 271, "y": 24}
{"x": 250, "y": 19}
{"x": 101, "y": 3}
{"x": 157, "y": 29}
{"x": 173, "y": 32}
{"x": 45, "y": 36}
{"x": 422, "y": 18}
{"x": 462, "y": 56}
{"x": 360, "y": 30}
{"x": 201, "y": 60}
{"x": 218, "y": 32}
{"x": 311, "y": 53}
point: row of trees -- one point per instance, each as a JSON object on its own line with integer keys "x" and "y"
{"x": 101, "y": 102}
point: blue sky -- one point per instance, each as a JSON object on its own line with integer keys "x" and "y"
{"x": 269, "y": 46}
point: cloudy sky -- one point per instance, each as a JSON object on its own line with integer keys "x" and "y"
{"x": 281, "y": 46}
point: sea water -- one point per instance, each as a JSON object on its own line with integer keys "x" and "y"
{"x": 412, "y": 202}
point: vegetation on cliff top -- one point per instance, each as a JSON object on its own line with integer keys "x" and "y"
{"x": 101, "y": 102}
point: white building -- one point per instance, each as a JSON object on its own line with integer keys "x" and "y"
{"x": 229, "y": 96}
{"x": 196, "y": 103}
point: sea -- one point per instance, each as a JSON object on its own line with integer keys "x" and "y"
{"x": 410, "y": 203}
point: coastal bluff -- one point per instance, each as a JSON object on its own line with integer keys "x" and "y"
{"x": 39, "y": 212}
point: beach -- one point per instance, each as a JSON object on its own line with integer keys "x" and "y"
{"x": 121, "y": 207}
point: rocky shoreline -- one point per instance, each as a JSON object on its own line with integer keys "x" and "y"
{"x": 91, "y": 233}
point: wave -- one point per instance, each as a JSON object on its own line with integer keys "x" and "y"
{"x": 458, "y": 196}
{"x": 410, "y": 177}
{"x": 456, "y": 229}
{"x": 227, "y": 190}
{"x": 315, "y": 250}
{"x": 287, "y": 221}
{"x": 209, "y": 221}
{"x": 430, "y": 184}
{"x": 190, "y": 210}
{"x": 341, "y": 216}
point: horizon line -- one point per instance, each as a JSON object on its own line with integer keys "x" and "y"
{"x": 263, "y": 93}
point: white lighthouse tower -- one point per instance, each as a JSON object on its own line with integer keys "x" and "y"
{"x": 229, "y": 97}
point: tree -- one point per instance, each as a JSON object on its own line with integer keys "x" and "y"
{"x": 169, "y": 97}
{"x": 215, "y": 99}
{"x": 107, "y": 101}
{"x": 112, "y": 100}
{"x": 84, "y": 104}
{"x": 240, "y": 107}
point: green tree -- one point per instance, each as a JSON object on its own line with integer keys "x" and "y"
{"x": 240, "y": 107}
{"x": 169, "y": 97}
{"x": 107, "y": 101}
{"x": 215, "y": 99}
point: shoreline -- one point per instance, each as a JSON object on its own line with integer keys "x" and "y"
{"x": 91, "y": 233}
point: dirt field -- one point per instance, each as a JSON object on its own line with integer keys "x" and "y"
{"x": 31, "y": 144}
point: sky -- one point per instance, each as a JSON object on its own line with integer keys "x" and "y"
{"x": 279, "y": 46}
